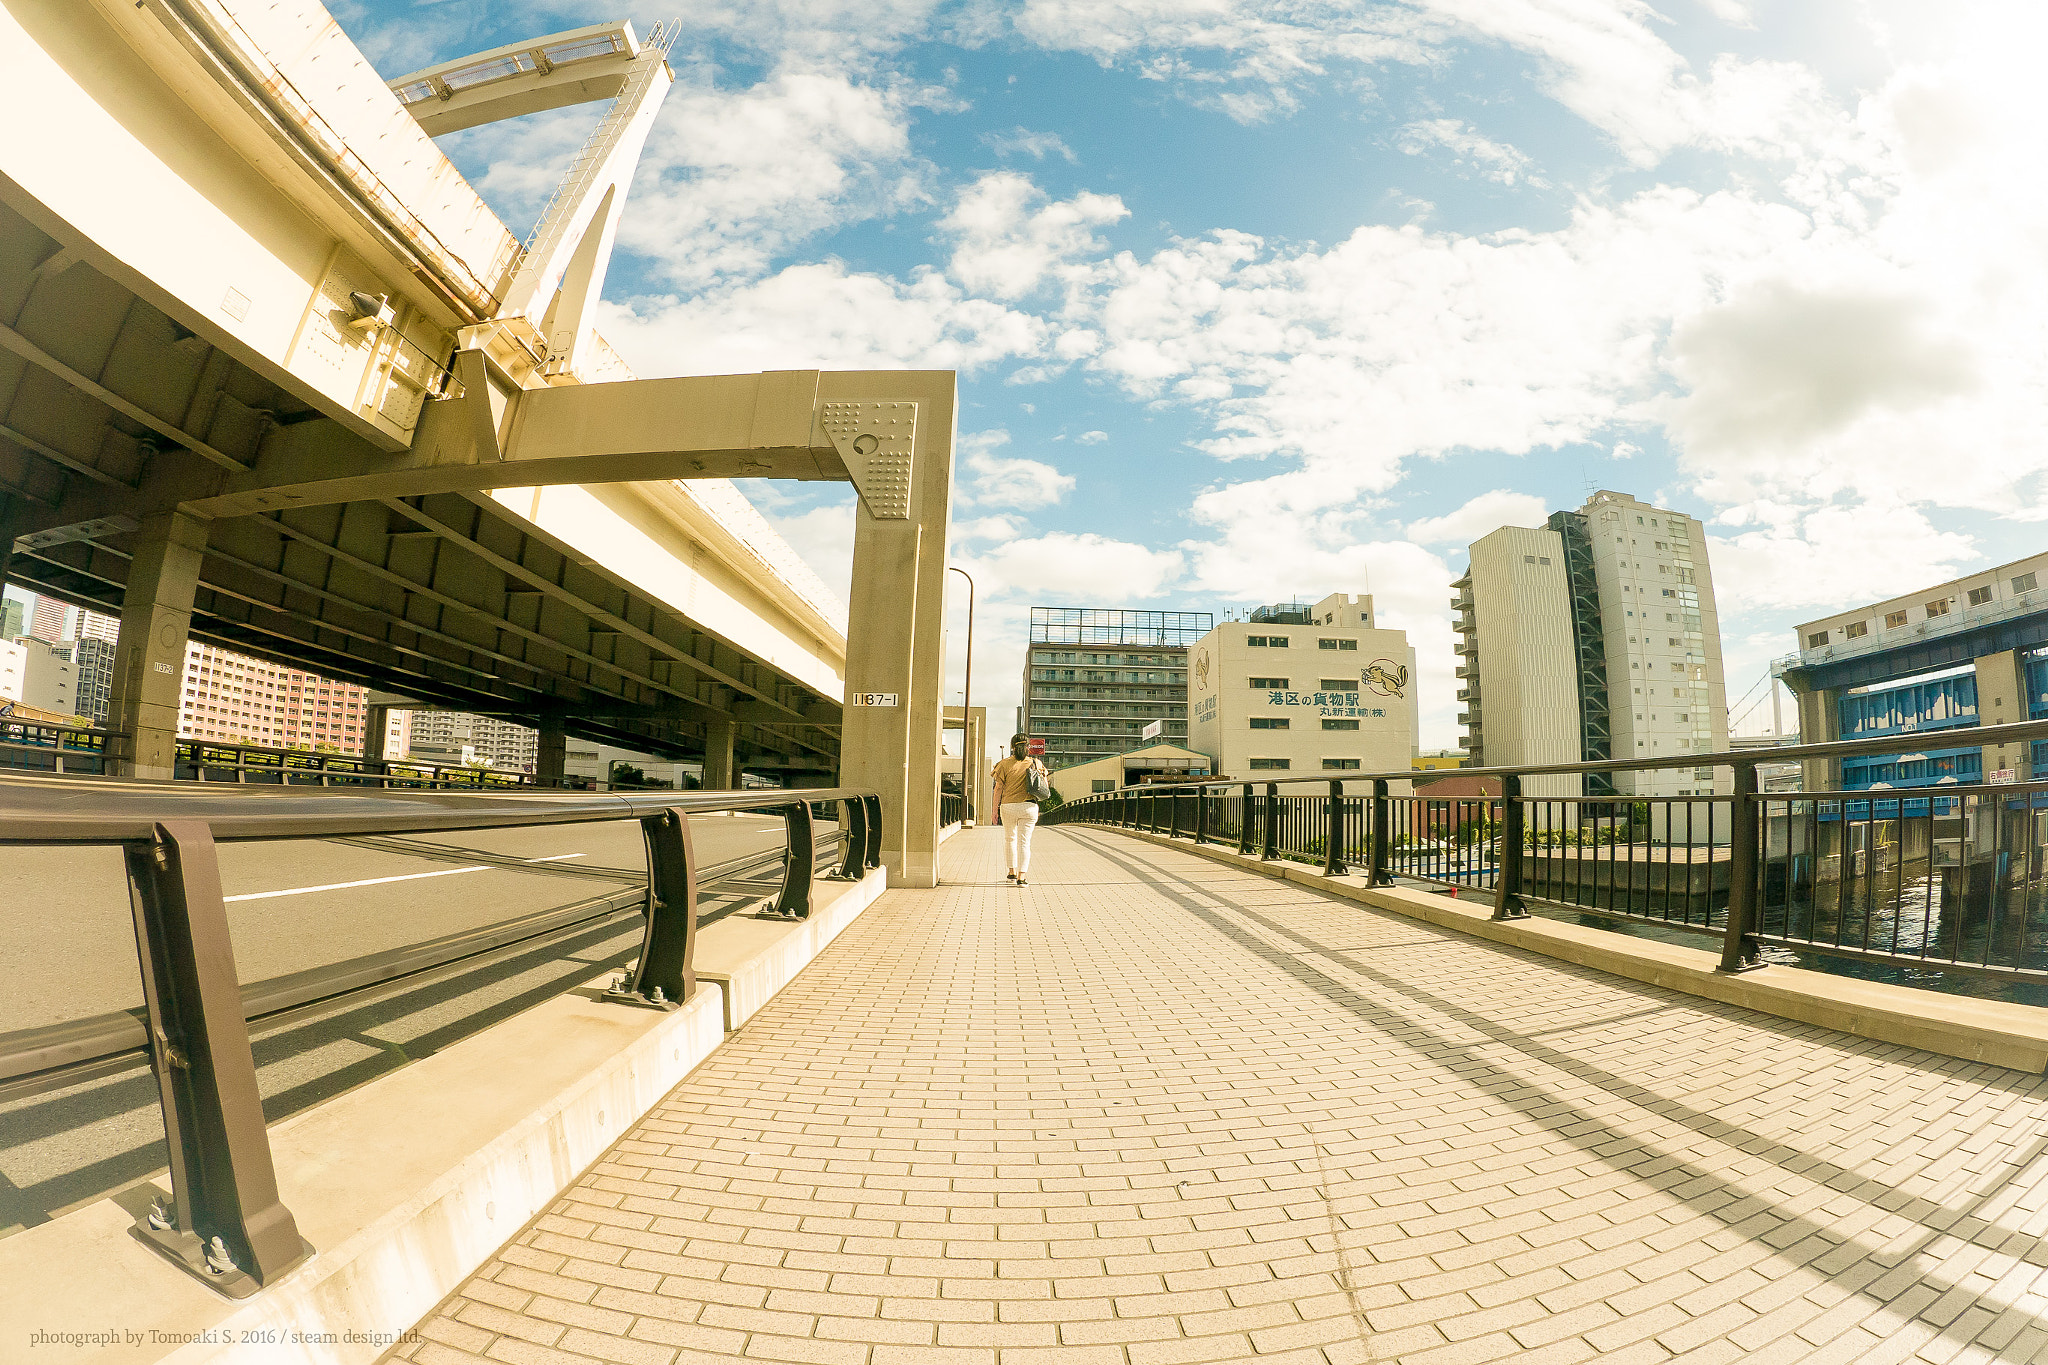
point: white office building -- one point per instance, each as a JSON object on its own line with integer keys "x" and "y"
{"x": 1591, "y": 637}
{"x": 1303, "y": 691}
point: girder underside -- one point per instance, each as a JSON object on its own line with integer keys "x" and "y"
{"x": 450, "y": 598}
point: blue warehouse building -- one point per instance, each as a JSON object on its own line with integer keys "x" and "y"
{"x": 1940, "y": 662}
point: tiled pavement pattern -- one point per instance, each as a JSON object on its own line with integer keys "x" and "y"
{"x": 1153, "y": 1110}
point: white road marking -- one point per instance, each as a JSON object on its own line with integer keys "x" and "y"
{"x": 343, "y": 886}
{"x": 380, "y": 881}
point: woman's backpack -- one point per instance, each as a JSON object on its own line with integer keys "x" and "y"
{"x": 1037, "y": 782}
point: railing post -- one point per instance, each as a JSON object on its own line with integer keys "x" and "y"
{"x": 668, "y": 949}
{"x": 229, "y": 1227}
{"x": 1269, "y": 828}
{"x": 1739, "y": 949}
{"x": 1507, "y": 880}
{"x": 1244, "y": 823}
{"x": 799, "y": 858}
{"x": 1382, "y": 808}
{"x": 1333, "y": 832}
{"x": 853, "y": 835}
{"x": 1173, "y": 813}
{"x": 873, "y": 854}
{"x": 1201, "y": 815}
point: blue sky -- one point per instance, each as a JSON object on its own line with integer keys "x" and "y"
{"x": 1253, "y": 301}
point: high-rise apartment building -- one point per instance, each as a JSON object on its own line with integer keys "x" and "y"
{"x": 1592, "y": 637}
{"x": 13, "y": 618}
{"x": 238, "y": 700}
{"x": 39, "y": 675}
{"x": 92, "y": 657}
{"x": 459, "y": 737}
{"x": 1095, "y": 678}
{"x": 46, "y": 618}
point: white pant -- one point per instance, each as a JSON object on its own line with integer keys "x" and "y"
{"x": 1019, "y": 819}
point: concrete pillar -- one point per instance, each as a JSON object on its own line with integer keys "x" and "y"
{"x": 896, "y": 629}
{"x": 720, "y": 774}
{"x": 376, "y": 723}
{"x": 149, "y": 660}
{"x": 1820, "y": 722}
{"x": 2001, "y": 700}
{"x": 551, "y": 753}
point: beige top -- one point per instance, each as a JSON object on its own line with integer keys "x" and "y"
{"x": 1008, "y": 780}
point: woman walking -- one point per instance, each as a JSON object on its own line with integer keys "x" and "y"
{"x": 1019, "y": 780}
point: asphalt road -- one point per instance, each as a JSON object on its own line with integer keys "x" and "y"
{"x": 67, "y": 950}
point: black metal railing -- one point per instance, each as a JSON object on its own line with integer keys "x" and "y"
{"x": 226, "y": 1224}
{"x": 206, "y": 761}
{"x": 952, "y": 809}
{"x": 1948, "y": 877}
{"x": 53, "y": 747}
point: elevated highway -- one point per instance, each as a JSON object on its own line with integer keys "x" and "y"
{"x": 272, "y": 375}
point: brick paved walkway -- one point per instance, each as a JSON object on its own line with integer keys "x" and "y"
{"x": 1153, "y": 1110}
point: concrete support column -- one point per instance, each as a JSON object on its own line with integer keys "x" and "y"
{"x": 149, "y": 661}
{"x": 896, "y": 630}
{"x": 376, "y": 724}
{"x": 720, "y": 774}
{"x": 2002, "y": 699}
{"x": 551, "y": 753}
{"x": 1820, "y": 722}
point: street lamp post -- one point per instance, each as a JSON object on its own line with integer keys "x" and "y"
{"x": 970, "y": 764}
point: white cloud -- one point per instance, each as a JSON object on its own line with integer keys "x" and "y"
{"x": 820, "y": 316}
{"x": 1009, "y": 238}
{"x": 1091, "y": 438}
{"x": 731, "y": 179}
{"x": 1491, "y": 160}
{"x": 1024, "y": 142}
{"x": 1825, "y": 559}
{"x": 1485, "y": 513}
{"x": 1060, "y": 564}
{"x": 1007, "y": 480}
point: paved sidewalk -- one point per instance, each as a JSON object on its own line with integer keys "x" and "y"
{"x": 1150, "y": 1109}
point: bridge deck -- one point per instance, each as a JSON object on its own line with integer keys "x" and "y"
{"x": 1154, "y": 1110}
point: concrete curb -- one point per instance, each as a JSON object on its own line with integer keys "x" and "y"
{"x": 405, "y": 1185}
{"x": 1996, "y": 1032}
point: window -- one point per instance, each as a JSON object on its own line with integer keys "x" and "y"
{"x": 1278, "y": 684}
{"x": 1341, "y": 765}
{"x": 2024, "y": 583}
{"x": 1269, "y": 722}
{"x": 1266, "y": 641}
{"x": 1336, "y": 684}
{"x": 1856, "y": 630}
{"x": 1938, "y": 607}
{"x": 1101, "y": 784}
{"x": 1528, "y": 559}
{"x": 1340, "y": 725}
{"x": 1817, "y": 640}
{"x": 1269, "y": 765}
{"x": 1894, "y": 619}
{"x": 1255, "y": 641}
{"x": 1543, "y": 559}
{"x": 1337, "y": 644}
{"x": 1979, "y": 596}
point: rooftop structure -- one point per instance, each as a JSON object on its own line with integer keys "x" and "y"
{"x": 1116, "y": 626}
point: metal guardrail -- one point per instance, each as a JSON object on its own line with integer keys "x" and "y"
{"x": 226, "y": 1224}
{"x": 53, "y": 747}
{"x": 206, "y": 761}
{"x": 1952, "y": 878}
